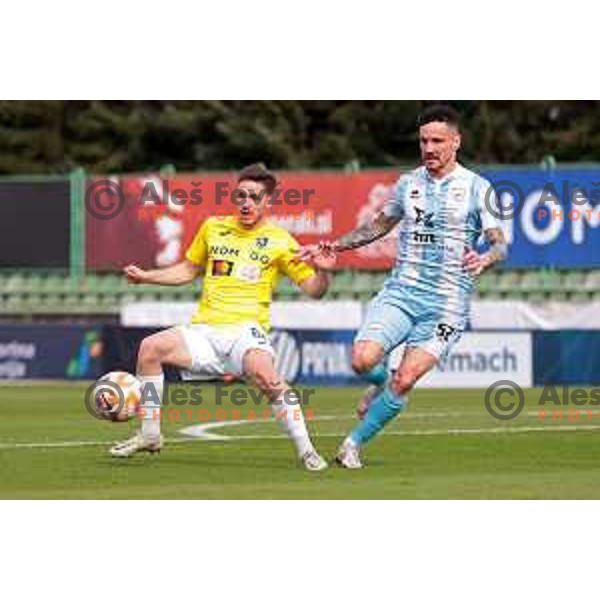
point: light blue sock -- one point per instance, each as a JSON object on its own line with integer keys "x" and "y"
{"x": 383, "y": 409}
{"x": 378, "y": 374}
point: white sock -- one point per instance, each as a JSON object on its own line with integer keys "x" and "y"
{"x": 150, "y": 416}
{"x": 291, "y": 417}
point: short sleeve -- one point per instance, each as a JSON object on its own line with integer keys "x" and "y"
{"x": 291, "y": 266}
{"x": 394, "y": 207}
{"x": 196, "y": 253}
{"x": 488, "y": 205}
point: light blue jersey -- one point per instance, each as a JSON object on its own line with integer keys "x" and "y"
{"x": 426, "y": 299}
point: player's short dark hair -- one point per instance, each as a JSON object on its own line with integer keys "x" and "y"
{"x": 439, "y": 113}
{"x": 258, "y": 172}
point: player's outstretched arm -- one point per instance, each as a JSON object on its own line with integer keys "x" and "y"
{"x": 179, "y": 274}
{"x": 364, "y": 234}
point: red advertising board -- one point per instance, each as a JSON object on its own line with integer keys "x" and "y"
{"x": 155, "y": 219}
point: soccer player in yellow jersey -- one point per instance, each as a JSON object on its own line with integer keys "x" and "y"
{"x": 241, "y": 257}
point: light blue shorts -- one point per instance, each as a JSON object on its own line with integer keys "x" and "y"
{"x": 392, "y": 320}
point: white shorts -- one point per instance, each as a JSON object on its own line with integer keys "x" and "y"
{"x": 218, "y": 350}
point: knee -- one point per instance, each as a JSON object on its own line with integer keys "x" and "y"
{"x": 263, "y": 381}
{"x": 269, "y": 385}
{"x": 151, "y": 349}
{"x": 258, "y": 366}
{"x": 364, "y": 359}
{"x": 403, "y": 382}
{"x": 264, "y": 377}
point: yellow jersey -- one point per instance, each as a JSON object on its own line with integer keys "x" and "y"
{"x": 242, "y": 267}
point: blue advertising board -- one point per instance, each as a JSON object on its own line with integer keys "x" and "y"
{"x": 308, "y": 357}
{"x": 551, "y": 218}
{"x": 50, "y": 352}
{"x": 315, "y": 357}
{"x": 566, "y": 357}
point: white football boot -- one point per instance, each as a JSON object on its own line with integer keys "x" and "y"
{"x": 348, "y": 456}
{"x": 313, "y": 461}
{"x": 135, "y": 444}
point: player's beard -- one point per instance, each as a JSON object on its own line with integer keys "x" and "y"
{"x": 437, "y": 165}
{"x": 433, "y": 163}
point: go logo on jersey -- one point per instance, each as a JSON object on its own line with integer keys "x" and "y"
{"x": 262, "y": 258}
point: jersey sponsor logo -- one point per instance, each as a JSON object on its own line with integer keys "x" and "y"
{"x": 262, "y": 242}
{"x": 250, "y": 273}
{"x": 222, "y": 268}
{"x": 223, "y": 251}
{"x": 262, "y": 258}
{"x": 445, "y": 331}
{"x": 424, "y": 218}
{"x": 423, "y": 238}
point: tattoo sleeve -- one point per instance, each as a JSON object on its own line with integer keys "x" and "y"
{"x": 367, "y": 233}
{"x": 498, "y": 247}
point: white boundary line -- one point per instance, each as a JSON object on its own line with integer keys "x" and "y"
{"x": 204, "y": 432}
{"x": 35, "y": 383}
{"x": 82, "y": 443}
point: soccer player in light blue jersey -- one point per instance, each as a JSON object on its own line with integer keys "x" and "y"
{"x": 442, "y": 212}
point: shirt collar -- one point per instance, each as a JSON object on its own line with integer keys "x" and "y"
{"x": 456, "y": 171}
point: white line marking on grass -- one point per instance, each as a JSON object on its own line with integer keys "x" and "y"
{"x": 204, "y": 433}
{"x": 73, "y": 444}
{"x": 37, "y": 383}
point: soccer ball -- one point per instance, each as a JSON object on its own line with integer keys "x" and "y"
{"x": 117, "y": 395}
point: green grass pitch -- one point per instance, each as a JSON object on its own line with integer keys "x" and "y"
{"x": 444, "y": 446}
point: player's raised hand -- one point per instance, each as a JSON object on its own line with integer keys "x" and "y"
{"x": 327, "y": 246}
{"x": 135, "y": 274}
{"x": 474, "y": 262}
{"x": 306, "y": 253}
{"x": 323, "y": 259}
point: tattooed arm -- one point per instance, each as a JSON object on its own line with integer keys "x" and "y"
{"x": 364, "y": 234}
{"x": 367, "y": 233}
{"x": 477, "y": 263}
{"x": 498, "y": 247}
{"x": 361, "y": 236}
